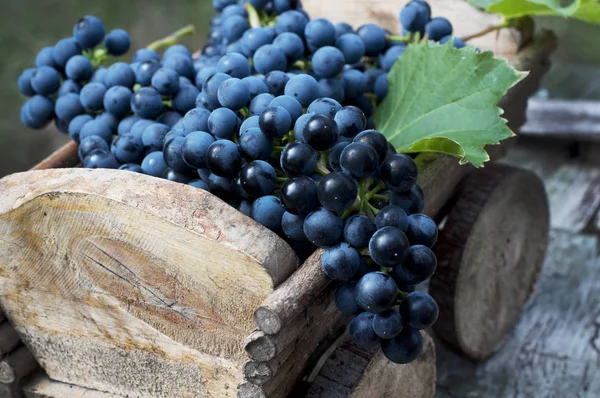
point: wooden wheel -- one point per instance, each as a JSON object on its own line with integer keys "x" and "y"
{"x": 489, "y": 256}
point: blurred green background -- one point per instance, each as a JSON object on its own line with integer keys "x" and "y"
{"x": 28, "y": 25}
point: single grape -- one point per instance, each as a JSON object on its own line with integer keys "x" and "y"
{"x": 359, "y": 160}
{"x": 355, "y": 83}
{"x": 145, "y": 54}
{"x": 248, "y": 123}
{"x": 290, "y": 104}
{"x": 234, "y": 94}
{"x": 320, "y": 132}
{"x": 375, "y": 139}
{"x": 291, "y": 21}
{"x": 323, "y": 228}
{"x": 388, "y": 324}
{"x": 381, "y": 87}
{"x": 358, "y": 230}
{"x": 332, "y": 88}
{"x": 268, "y": 211}
{"x": 342, "y": 28}
{"x": 76, "y": 125}
{"x": 418, "y": 266}
{"x": 337, "y": 192}
{"x": 235, "y": 65}
{"x": 166, "y": 81}
{"x": 127, "y": 149}
{"x": 391, "y": 55}
{"x": 135, "y": 168}
{"x": 223, "y": 158}
{"x": 147, "y": 103}
{"x": 318, "y": 33}
{"x": 335, "y": 154}
{"x": 388, "y": 246}
{"x": 256, "y": 85}
{"x": 100, "y": 159}
{"x": 411, "y": 202}
{"x": 195, "y": 120}
{"x": 276, "y": 82}
{"x": 399, "y": 172}
{"x": 392, "y": 216}
{"x": 405, "y": 347}
{"x": 254, "y": 144}
{"x": 252, "y": 40}
{"x": 45, "y": 57}
{"x": 422, "y": 230}
{"x": 269, "y": 58}
{"x": 275, "y": 122}
{"x": 304, "y": 88}
{"x": 324, "y": 106}
{"x": 419, "y": 310}
{"x": 223, "y": 123}
{"x": 373, "y": 37}
{"x": 203, "y": 74}
{"x": 169, "y": 118}
{"x": 180, "y": 63}
{"x": 89, "y": 31}
{"x": 37, "y": 112}
{"x": 45, "y": 80}
{"x": 299, "y": 127}
{"x": 69, "y": 86}
{"x": 376, "y": 292}
{"x": 24, "y": 82}
{"x": 292, "y": 226}
{"x": 175, "y": 176}
{"x": 298, "y": 159}
{"x": 234, "y": 27}
{"x": 67, "y": 107}
{"x": 340, "y": 262}
{"x": 220, "y": 186}
{"x": 79, "y": 68}
{"x": 92, "y": 96}
{"x": 99, "y": 75}
{"x": 119, "y": 74}
{"x": 64, "y": 50}
{"x": 117, "y": 101}
{"x": 299, "y": 195}
{"x": 117, "y": 42}
{"x": 90, "y": 144}
{"x": 185, "y": 99}
{"x": 456, "y": 42}
{"x": 260, "y": 103}
{"x": 361, "y": 330}
{"x": 350, "y": 120}
{"x": 258, "y": 178}
{"x": 292, "y": 46}
{"x": 199, "y": 184}
{"x": 345, "y": 300}
{"x": 173, "y": 154}
{"x": 153, "y": 137}
{"x": 195, "y": 147}
{"x": 328, "y": 62}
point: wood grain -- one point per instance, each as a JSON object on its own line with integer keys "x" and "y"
{"x": 64, "y": 157}
{"x": 41, "y": 386}
{"x": 105, "y": 281}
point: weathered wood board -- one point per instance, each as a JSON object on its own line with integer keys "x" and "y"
{"x": 41, "y": 386}
{"x": 110, "y": 274}
{"x": 554, "y": 350}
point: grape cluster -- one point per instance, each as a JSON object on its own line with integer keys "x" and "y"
{"x": 273, "y": 117}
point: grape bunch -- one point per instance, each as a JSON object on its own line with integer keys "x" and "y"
{"x": 274, "y": 117}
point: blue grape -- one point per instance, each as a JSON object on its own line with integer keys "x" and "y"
{"x": 119, "y": 74}
{"x": 37, "y": 112}
{"x": 361, "y": 330}
{"x": 125, "y": 124}
{"x": 99, "y": 75}
{"x": 254, "y": 144}
{"x": 166, "y": 81}
{"x": 127, "y": 149}
{"x": 223, "y": 158}
{"x": 342, "y": 28}
{"x": 365, "y": 104}
{"x": 292, "y": 226}
{"x": 69, "y": 86}
{"x": 175, "y": 176}
{"x": 323, "y": 228}
{"x": 299, "y": 127}
{"x": 405, "y": 347}
{"x": 381, "y": 86}
{"x": 204, "y": 74}
{"x": 291, "y": 21}
{"x": 335, "y": 154}
{"x": 340, "y": 262}
{"x": 76, "y": 125}
{"x": 110, "y": 121}
{"x": 89, "y": 31}
{"x": 376, "y": 292}
{"x": 388, "y": 324}
{"x": 96, "y": 127}
{"x": 135, "y": 168}
{"x": 258, "y": 178}
{"x": 67, "y": 107}
{"x": 223, "y": 123}
{"x": 419, "y": 310}
{"x": 358, "y": 230}
{"x": 220, "y": 186}
{"x": 351, "y": 46}
{"x": 138, "y": 128}
{"x": 45, "y": 57}
{"x": 418, "y": 266}
{"x": 328, "y": 62}
{"x": 199, "y": 184}
{"x": 337, "y": 192}
{"x": 256, "y": 85}
{"x": 332, "y": 88}
{"x": 304, "y": 88}
{"x": 275, "y": 121}
{"x": 185, "y": 99}
{"x": 318, "y": 33}
{"x": 169, "y": 118}
{"x": 79, "y": 68}
{"x": 456, "y": 42}
{"x": 372, "y": 74}
{"x": 145, "y": 54}
{"x": 248, "y": 123}
{"x": 388, "y": 246}
{"x": 220, "y": 5}
{"x": 251, "y": 41}
{"x": 117, "y": 42}
{"x": 154, "y": 164}
{"x": 350, "y": 120}
{"x": 276, "y": 82}
{"x": 176, "y": 49}
{"x": 147, "y": 103}
{"x": 180, "y": 63}
{"x": 355, "y": 83}
{"x": 299, "y": 195}
{"x": 268, "y": 211}
{"x": 298, "y": 159}
{"x": 145, "y": 71}
{"x": 359, "y": 160}
{"x": 24, "y": 82}
{"x": 173, "y": 153}
{"x": 345, "y": 300}
{"x": 64, "y": 50}
{"x": 321, "y": 132}
{"x": 153, "y": 137}
{"x": 45, "y": 80}
{"x": 421, "y": 230}
{"x": 100, "y": 159}
{"x": 290, "y": 104}
{"x": 414, "y": 16}
{"x": 392, "y": 216}
{"x": 438, "y": 28}
{"x": 234, "y": 27}
{"x": 234, "y": 94}
{"x": 324, "y": 106}
{"x": 399, "y": 172}
{"x": 195, "y": 147}
{"x": 391, "y": 55}
{"x": 292, "y": 46}
{"x": 373, "y": 37}
{"x": 269, "y": 58}
{"x": 235, "y": 65}
{"x": 117, "y": 101}
{"x": 195, "y": 120}
{"x": 260, "y": 103}
{"x": 376, "y": 140}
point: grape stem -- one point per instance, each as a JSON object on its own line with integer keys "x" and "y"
{"x": 369, "y": 195}
{"x": 489, "y": 29}
{"x": 402, "y": 39}
{"x": 372, "y": 208}
{"x": 382, "y": 197}
{"x": 172, "y": 38}
{"x": 253, "y": 16}
{"x": 322, "y": 166}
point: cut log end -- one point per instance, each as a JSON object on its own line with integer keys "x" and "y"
{"x": 249, "y": 390}
{"x": 267, "y": 320}
{"x": 489, "y": 257}
{"x": 260, "y": 347}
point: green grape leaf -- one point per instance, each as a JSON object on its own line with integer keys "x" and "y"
{"x": 444, "y": 100}
{"x": 586, "y": 10}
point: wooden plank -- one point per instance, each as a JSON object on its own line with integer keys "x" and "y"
{"x": 541, "y": 160}
{"x": 554, "y": 350}
{"x": 563, "y": 119}
{"x": 63, "y": 157}
{"x": 41, "y": 386}
{"x": 105, "y": 281}
{"x": 574, "y": 192}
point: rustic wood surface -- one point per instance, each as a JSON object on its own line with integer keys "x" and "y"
{"x": 41, "y": 386}
{"x": 64, "y": 157}
{"x": 101, "y": 278}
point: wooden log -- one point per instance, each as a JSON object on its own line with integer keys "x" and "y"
{"x": 105, "y": 280}
{"x": 63, "y": 157}
{"x": 9, "y": 338}
{"x": 41, "y": 386}
{"x": 356, "y": 372}
{"x": 489, "y": 256}
{"x": 16, "y": 365}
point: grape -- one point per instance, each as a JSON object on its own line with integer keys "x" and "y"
{"x": 223, "y": 158}
{"x": 235, "y": 65}
{"x": 64, "y": 50}
{"x": 173, "y": 154}
{"x": 391, "y": 55}
{"x": 298, "y": 159}
{"x": 169, "y": 118}
{"x": 456, "y": 42}
{"x": 258, "y": 178}
{"x": 153, "y": 136}
{"x": 320, "y": 132}
{"x": 304, "y": 88}
{"x": 195, "y": 120}
{"x": 260, "y": 103}
{"x": 256, "y": 85}
{"x": 323, "y": 228}
{"x": 319, "y": 33}
{"x": 388, "y": 324}
{"x": 376, "y": 292}
{"x": 422, "y": 230}
{"x": 355, "y": 83}
{"x": 203, "y": 74}
{"x": 324, "y": 106}
{"x": 99, "y": 75}
{"x": 299, "y": 195}
{"x": 418, "y": 266}
{"x": 89, "y": 31}
{"x": 154, "y": 164}
{"x": 147, "y": 103}
{"x": 290, "y": 104}
{"x": 328, "y": 62}
{"x": 45, "y": 57}
{"x": 414, "y": 16}
{"x": 45, "y": 80}
{"x": 419, "y": 310}
{"x": 233, "y": 93}
{"x": 342, "y": 28}
{"x": 220, "y": 186}
{"x": 398, "y": 172}
{"x": 223, "y": 123}
{"x": 388, "y": 246}
{"x": 67, "y": 107}
{"x": 275, "y": 121}
{"x": 276, "y": 82}
{"x": 269, "y": 58}
{"x": 392, "y": 216}
{"x": 268, "y": 211}
{"x": 37, "y": 112}
{"x": 361, "y": 330}
{"x": 166, "y": 81}
{"x": 145, "y": 54}
{"x": 76, "y": 125}
{"x": 350, "y": 121}
{"x": 345, "y": 300}
{"x": 405, "y": 347}
{"x": 376, "y": 140}
{"x": 220, "y": 5}
{"x": 119, "y": 74}
{"x": 358, "y": 230}
{"x": 340, "y": 262}
{"x": 254, "y": 144}
{"x": 373, "y": 38}
{"x": 180, "y": 63}
{"x": 195, "y": 147}
{"x": 335, "y": 154}
{"x": 24, "y": 82}
{"x": 199, "y": 184}
{"x": 359, "y": 160}
{"x": 411, "y": 202}
{"x": 100, "y": 159}
{"x": 365, "y": 104}
{"x": 291, "y": 45}
{"x": 381, "y": 86}
{"x": 234, "y": 27}
{"x": 291, "y": 21}
{"x": 138, "y": 128}
{"x": 79, "y": 68}
{"x": 117, "y": 42}
{"x": 337, "y": 192}
{"x": 372, "y": 74}
{"x": 127, "y": 149}
{"x": 281, "y": 6}
{"x": 135, "y": 168}
{"x": 351, "y": 46}
{"x": 172, "y": 175}
{"x": 185, "y": 98}
{"x": 117, "y": 101}
{"x": 332, "y": 88}
{"x": 299, "y": 127}
{"x": 251, "y": 41}
{"x": 292, "y": 226}
{"x": 92, "y": 96}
